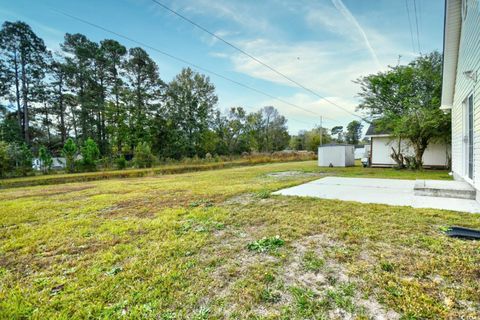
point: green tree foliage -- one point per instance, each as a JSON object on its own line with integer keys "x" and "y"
{"x": 4, "y": 159}
{"x": 24, "y": 159}
{"x": 338, "y": 131}
{"x": 45, "y": 159}
{"x": 69, "y": 151}
{"x": 190, "y": 102}
{"x": 144, "y": 157}
{"x": 310, "y": 140}
{"x": 23, "y": 65}
{"x": 90, "y": 154}
{"x": 354, "y": 132}
{"x": 405, "y": 100}
{"x": 115, "y": 97}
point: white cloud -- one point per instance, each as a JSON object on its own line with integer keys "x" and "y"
{"x": 315, "y": 104}
{"x": 351, "y": 19}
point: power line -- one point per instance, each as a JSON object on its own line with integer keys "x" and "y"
{"x": 253, "y": 57}
{"x": 416, "y": 23}
{"x": 191, "y": 64}
{"x": 410, "y": 26}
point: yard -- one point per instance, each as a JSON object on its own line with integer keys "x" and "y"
{"x": 215, "y": 244}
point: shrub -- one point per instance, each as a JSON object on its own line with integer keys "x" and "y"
{"x": 90, "y": 154}
{"x": 266, "y": 244}
{"x": 121, "y": 162}
{"x": 23, "y": 158}
{"x": 45, "y": 159}
{"x": 143, "y": 156}
{"x": 4, "y": 159}
{"x": 69, "y": 151}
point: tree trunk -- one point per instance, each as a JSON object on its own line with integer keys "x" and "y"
{"x": 74, "y": 123}
{"x": 397, "y": 156}
{"x": 47, "y": 122}
{"x": 25, "y": 102}
{"x": 63, "y": 132}
{"x": 419, "y": 151}
{"x": 17, "y": 95}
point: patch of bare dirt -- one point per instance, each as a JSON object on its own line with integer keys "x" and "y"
{"x": 247, "y": 199}
{"x": 332, "y": 276}
{"x": 49, "y": 191}
{"x": 291, "y": 174}
{"x": 329, "y": 277}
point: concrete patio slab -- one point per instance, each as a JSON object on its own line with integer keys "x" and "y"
{"x": 384, "y": 191}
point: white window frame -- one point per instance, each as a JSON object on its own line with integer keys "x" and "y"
{"x": 465, "y": 138}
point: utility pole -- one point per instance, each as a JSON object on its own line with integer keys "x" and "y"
{"x": 321, "y": 134}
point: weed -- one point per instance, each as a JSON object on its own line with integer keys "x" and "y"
{"x": 386, "y": 266}
{"x": 270, "y": 296}
{"x": 311, "y": 262}
{"x": 342, "y": 297}
{"x": 444, "y": 229}
{"x": 264, "y": 194}
{"x": 266, "y": 244}
{"x": 114, "y": 271}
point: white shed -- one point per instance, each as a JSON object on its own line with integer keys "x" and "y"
{"x": 336, "y": 155}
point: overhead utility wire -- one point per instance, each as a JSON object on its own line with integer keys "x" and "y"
{"x": 416, "y": 22}
{"x": 410, "y": 26}
{"x": 254, "y": 58}
{"x": 189, "y": 63}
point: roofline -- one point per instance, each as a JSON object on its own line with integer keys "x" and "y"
{"x": 451, "y": 43}
{"x": 380, "y": 135}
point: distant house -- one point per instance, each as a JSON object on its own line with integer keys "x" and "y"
{"x": 360, "y": 151}
{"x": 57, "y": 163}
{"x": 381, "y": 144}
{"x": 461, "y": 87}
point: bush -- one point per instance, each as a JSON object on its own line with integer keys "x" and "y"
{"x": 90, "y": 154}
{"x": 143, "y": 156}
{"x": 4, "y": 159}
{"x": 45, "y": 159}
{"x": 22, "y": 158}
{"x": 266, "y": 244}
{"x": 69, "y": 151}
{"x": 121, "y": 162}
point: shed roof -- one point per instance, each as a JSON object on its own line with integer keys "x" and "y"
{"x": 373, "y": 131}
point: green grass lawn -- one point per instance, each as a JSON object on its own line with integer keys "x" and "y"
{"x": 204, "y": 245}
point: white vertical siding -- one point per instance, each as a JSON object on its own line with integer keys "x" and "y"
{"x": 468, "y": 59}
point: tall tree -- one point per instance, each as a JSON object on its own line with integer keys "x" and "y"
{"x": 144, "y": 95}
{"x": 58, "y": 72}
{"x": 405, "y": 100}
{"x": 79, "y": 60}
{"x": 23, "y": 62}
{"x": 338, "y": 131}
{"x": 190, "y": 104}
{"x": 115, "y": 54}
{"x": 354, "y": 132}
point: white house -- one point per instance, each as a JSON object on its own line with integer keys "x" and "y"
{"x": 381, "y": 144}
{"x": 57, "y": 163}
{"x": 461, "y": 87}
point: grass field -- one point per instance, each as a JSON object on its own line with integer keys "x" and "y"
{"x": 215, "y": 244}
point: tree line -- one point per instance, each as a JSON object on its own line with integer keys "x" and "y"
{"x": 113, "y": 96}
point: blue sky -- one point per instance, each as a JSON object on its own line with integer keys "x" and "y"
{"x": 323, "y": 44}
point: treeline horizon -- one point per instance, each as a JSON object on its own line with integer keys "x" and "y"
{"x": 115, "y": 96}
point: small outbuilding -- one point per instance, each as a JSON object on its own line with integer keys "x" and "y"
{"x": 336, "y": 155}
{"x": 382, "y": 144}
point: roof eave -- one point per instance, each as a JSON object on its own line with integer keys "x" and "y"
{"x": 451, "y": 43}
